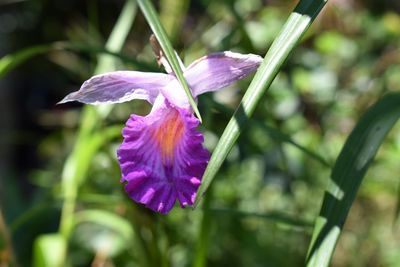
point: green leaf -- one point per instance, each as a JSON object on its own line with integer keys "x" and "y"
{"x": 347, "y": 174}
{"x": 203, "y": 235}
{"x": 101, "y": 230}
{"x": 117, "y": 37}
{"x": 77, "y": 165}
{"x": 89, "y": 140}
{"x": 49, "y": 251}
{"x": 106, "y": 219}
{"x": 10, "y": 61}
{"x": 151, "y": 16}
{"x": 13, "y": 60}
{"x": 295, "y": 27}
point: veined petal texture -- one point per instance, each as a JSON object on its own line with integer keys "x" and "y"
{"x": 120, "y": 86}
{"x": 162, "y": 158}
{"x": 218, "y": 70}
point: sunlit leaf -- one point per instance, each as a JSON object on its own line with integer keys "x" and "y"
{"x": 347, "y": 174}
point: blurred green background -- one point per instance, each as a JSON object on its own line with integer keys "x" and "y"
{"x": 261, "y": 207}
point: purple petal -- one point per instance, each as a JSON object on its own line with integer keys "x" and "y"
{"x": 162, "y": 158}
{"x": 120, "y": 86}
{"x": 218, "y": 70}
{"x": 176, "y": 95}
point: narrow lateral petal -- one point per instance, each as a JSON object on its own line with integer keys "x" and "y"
{"x": 218, "y": 70}
{"x": 120, "y": 86}
{"x": 162, "y": 158}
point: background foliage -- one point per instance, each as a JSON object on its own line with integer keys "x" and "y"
{"x": 261, "y": 207}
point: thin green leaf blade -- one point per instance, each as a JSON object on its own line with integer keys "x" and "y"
{"x": 73, "y": 175}
{"x": 295, "y": 27}
{"x": 151, "y": 16}
{"x": 117, "y": 37}
{"x": 11, "y": 61}
{"x": 347, "y": 175}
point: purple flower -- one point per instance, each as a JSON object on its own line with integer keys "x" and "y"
{"x": 162, "y": 157}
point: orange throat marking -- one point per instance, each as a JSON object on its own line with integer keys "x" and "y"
{"x": 168, "y": 134}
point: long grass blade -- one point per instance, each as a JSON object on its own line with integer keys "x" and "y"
{"x": 296, "y": 25}
{"x": 117, "y": 37}
{"x": 13, "y": 60}
{"x": 151, "y": 16}
{"x": 347, "y": 175}
{"x": 75, "y": 168}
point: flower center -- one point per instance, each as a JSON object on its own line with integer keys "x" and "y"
{"x": 168, "y": 134}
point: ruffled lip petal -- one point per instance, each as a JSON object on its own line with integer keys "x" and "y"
{"x": 218, "y": 70}
{"x": 120, "y": 86}
{"x": 157, "y": 197}
{"x": 187, "y": 190}
{"x": 162, "y": 158}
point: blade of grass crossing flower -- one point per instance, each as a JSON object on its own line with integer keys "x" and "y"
{"x": 296, "y": 25}
{"x": 151, "y": 16}
{"x": 347, "y": 174}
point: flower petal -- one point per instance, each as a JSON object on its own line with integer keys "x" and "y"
{"x": 175, "y": 94}
{"x": 218, "y": 70}
{"x": 120, "y": 86}
{"x": 162, "y": 158}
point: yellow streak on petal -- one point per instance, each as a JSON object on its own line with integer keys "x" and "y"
{"x": 168, "y": 134}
